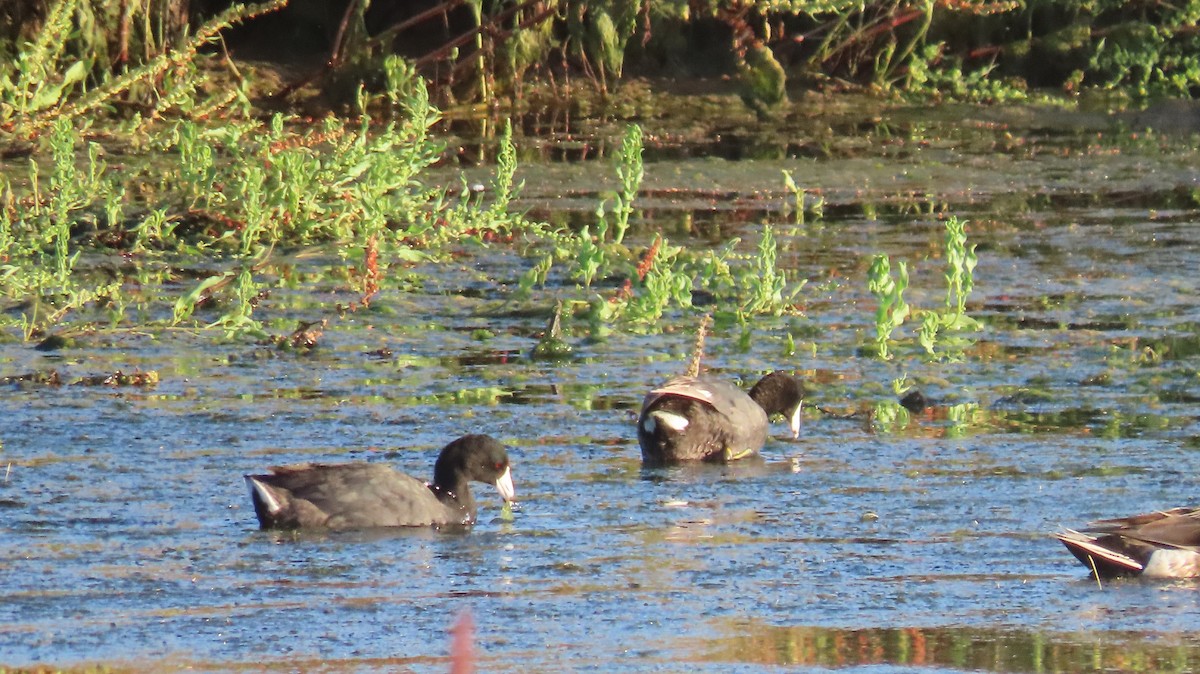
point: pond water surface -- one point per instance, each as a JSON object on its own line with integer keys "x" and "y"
{"x": 127, "y": 538}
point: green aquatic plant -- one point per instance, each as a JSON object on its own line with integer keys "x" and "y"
{"x": 931, "y": 334}
{"x": 342, "y": 180}
{"x": 47, "y": 311}
{"x": 1147, "y": 58}
{"x": 767, "y": 288}
{"x": 597, "y": 250}
{"x": 594, "y": 252}
{"x": 9, "y": 241}
{"x": 762, "y": 80}
{"x": 198, "y": 171}
{"x": 537, "y": 275}
{"x": 714, "y": 269}
{"x": 960, "y": 273}
{"x": 629, "y": 171}
{"x": 155, "y": 228}
{"x": 797, "y": 193}
{"x": 244, "y": 295}
{"x": 890, "y": 416}
{"x": 115, "y": 199}
{"x": 526, "y": 48}
{"x": 960, "y": 418}
{"x": 57, "y": 199}
{"x": 661, "y": 280}
{"x": 665, "y": 275}
{"x": 934, "y": 73}
{"x": 39, "y": 259}
{"x": 889, "y": 292}
{"x": 802, "y": 204}
{"x": 65, "y": 195}
{"x": 927, "y": 334}
{"x": 598, "y": 32}
{"x": 240, "y": 188}
{"x": 816, "y": 206}
{"x": 961, "y": 261}
{"x": 590, "y": 256}
{"x": 504, "y": 187}
{"x": 497, "y": 219}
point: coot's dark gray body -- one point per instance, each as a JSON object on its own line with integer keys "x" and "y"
{"x": 1164, "y": 544}
{"x": 705, "y": 419}
{"x": 359, "y": 495}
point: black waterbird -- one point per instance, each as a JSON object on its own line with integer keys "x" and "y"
{"x": 359, "y": 495}
{"x": 705, "y": 419}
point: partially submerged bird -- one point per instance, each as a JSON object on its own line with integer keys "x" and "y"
{"x": 360, "y": 495}
{"x": 1163, "y": 544}
{"x": 705, "y": 419}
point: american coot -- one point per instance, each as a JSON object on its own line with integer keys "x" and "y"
{"x": 1163, "y": 544}
{"x": 356, "y": 495}
{"x": 703, "y": 419}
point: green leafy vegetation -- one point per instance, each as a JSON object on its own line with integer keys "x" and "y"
{"x": 960, "y": 280}
{"x": 662, "y": 276}
{"x": 889, "y": 293}
{"x": 238, "y": 191}
{"x": 936, "y": 327}
{"x": 66, "y": 70}
{"x": 340, "y": 181}
{"x": 629, "y": 174}
{"x": 938, "y": 331}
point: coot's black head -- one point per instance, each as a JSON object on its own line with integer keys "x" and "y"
{"x": 474, "y": 457}
{"x": 780, "y": 393}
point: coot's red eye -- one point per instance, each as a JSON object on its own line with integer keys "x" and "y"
{"x": 499, "y": 465}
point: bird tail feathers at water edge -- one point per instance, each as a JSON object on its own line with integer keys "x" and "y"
{"x": 1080, "y": 543}
{"x": 268, "y": 502}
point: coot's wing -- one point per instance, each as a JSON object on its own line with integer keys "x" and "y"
{"x": 726, "y": 398}
{"x": 353, "y": 495}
